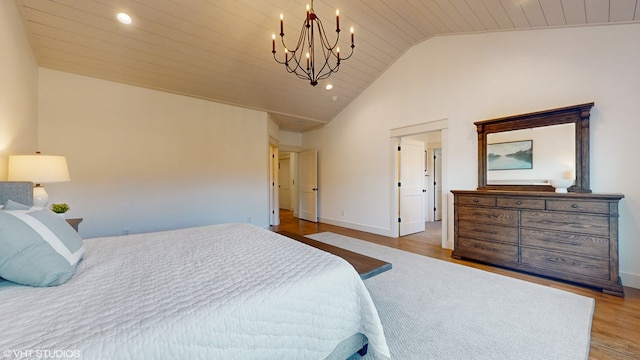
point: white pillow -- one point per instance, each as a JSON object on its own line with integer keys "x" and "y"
{"x": 37, "y": 247}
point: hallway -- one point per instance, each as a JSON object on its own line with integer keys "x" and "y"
{"x": 432, "y": 234}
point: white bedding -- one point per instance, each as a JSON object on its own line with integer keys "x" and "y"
{"x": 232, "y": 291}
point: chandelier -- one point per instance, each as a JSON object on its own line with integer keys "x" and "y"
{"x": 303, "y": 61}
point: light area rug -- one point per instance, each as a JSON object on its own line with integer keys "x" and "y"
{"x": 433, "y": 309}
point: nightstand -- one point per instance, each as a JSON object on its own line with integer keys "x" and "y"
{"x": 74, "y": 223}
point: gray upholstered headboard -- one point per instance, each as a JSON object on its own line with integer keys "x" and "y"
{"x": 19, "y": 191}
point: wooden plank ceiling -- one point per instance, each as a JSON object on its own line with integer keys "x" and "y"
{"x": 221, "y": 49}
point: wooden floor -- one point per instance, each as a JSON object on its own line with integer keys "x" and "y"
{"x": 615, "y": 333}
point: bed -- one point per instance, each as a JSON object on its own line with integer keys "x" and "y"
{"x": 228, "y": 291}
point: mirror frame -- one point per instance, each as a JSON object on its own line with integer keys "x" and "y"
{"x": 576, "y": 114}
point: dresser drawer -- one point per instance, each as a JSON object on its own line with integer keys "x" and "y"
{"x": 490, "y": 232}
{"x": 487, "y": 251}
{"x": 566, "y": 242}
{"x": 477, "y": 200}
{"x": 520, "y": 203}
{"x": 488, "y": 215}
{"x": 578, "y": 206}
{"x": 579, "y": 223}
{"x": 566, "y": 263}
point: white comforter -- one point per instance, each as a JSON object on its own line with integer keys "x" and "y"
{"x": 232, "y": 291}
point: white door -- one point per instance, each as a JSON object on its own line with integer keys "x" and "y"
{"x": 308, "y": 165}
{"x": 274, "y": 214}
{"x": 437, "y": 185}
{"x": 284, "y": 180}
{"x": 427, "y": 186}
{"x": 411, "y": 186}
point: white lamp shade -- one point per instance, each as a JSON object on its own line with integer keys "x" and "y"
{"x": 38, "y": 168}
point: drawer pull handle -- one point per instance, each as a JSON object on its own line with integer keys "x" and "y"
{"x": 475, "y": 200}
{"x": 518, "y": 202}
{"x": 575, "y": 206}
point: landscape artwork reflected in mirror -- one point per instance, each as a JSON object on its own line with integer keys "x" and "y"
{"x": 510, "y": 155}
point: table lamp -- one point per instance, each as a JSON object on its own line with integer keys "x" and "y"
{"x": 38, "y": 169}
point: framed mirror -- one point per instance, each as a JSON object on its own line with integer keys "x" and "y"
{"x": 525, "y": 152}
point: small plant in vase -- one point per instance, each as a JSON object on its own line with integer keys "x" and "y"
{"x": 60, "y": 209}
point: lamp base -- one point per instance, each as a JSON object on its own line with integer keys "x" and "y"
{"x": 40, "y": 196}
{"x": 561, "y": 185}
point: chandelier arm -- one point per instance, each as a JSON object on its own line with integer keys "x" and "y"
{"x": 351, "y": 53}
{"x": 332, "y": 48}
{"x": 325, "y": 39}
{"x": 298, "y": 45}
{"x": 328, "y": 53}
{"x": 302, "y": 43}
{"x": 327, "y": 69}
{"x": 297, "y": 68}
{"x": 327, "y": 65}
{"x": 296, "y": 56}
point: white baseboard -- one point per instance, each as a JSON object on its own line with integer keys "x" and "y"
{"x": 630, "y": 280}
{"x": 360, "y": 227}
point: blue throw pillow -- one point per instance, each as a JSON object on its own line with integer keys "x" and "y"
{"x": 37, "y": 247}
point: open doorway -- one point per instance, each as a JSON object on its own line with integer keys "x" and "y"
{"x": 396, "y": 134}
{"x": 288, "y": 186}
{"x": 427, "y": 172}
{"x": 298, "y": 187}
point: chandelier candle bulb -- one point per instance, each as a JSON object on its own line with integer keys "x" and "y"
{"x": 337, "y": 20}
{"x": 308, "y": 15}
{"x": 352, "y": 37}
{"x": 281, "y": 24}
{"x": 273, "y": 43}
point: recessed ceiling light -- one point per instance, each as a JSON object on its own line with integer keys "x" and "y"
{"x": 124, "y": 18}
{"x": 328, "y": 87}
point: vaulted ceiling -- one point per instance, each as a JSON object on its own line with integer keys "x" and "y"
{"x": 220, "y": 50}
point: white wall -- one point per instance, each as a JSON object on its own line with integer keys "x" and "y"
{"x": 145, "y": 160}
{"x": 18, "y": 88}
{"x": 467, "y": 78}
{"x": 289, "y": 139}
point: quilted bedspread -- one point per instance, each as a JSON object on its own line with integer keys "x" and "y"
{"x": 231, "y": 291}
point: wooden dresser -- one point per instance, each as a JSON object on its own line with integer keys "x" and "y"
{"x": 571, "y": 237}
